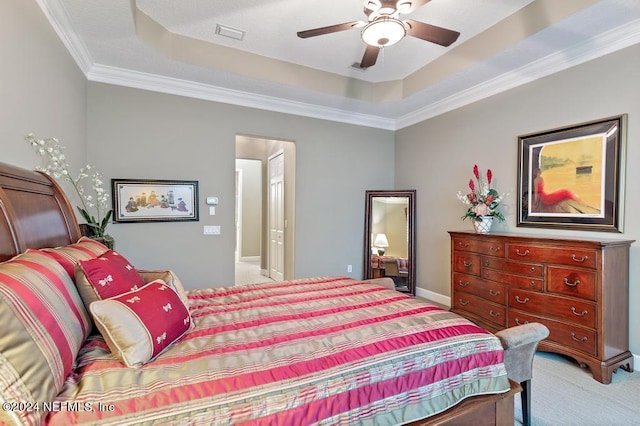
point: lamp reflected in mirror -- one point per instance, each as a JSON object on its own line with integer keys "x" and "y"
{"x": 380, "y": 243}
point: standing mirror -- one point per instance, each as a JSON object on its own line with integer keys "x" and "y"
{"x": 389, "y": 235}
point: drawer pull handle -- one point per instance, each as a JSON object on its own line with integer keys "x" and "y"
{"x": 494, "y": 249}
{"x": 463, "y": 245}
{"x": 467, "y": 264}
{"x": 583, "y": 313}
{"x": 583, "y": 339}
{"x": 532, "y": 284}
{"x": 575, "y": 258}
{"x": 463, "y": 302}
{"x": 526, "y": 252}
{"x": 486, "y": 262}
{"x": 526, "y": 299}
{"x": 573, "y": 284}
{"x": 494, "y": 314}
{"x": 463, "y": 283}
{"x": 532, "y": 269}
{"x": 521, "y": 323}
{"x": 494, "y": 293}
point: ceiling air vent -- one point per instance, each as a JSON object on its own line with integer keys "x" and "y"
{"x": 233, "y": 33}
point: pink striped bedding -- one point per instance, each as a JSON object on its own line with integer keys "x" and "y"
{"x": 307, "y": 351}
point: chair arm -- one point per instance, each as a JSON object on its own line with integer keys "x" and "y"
{"x": 520, "y": 344}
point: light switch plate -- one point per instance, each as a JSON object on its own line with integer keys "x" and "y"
{"x": 212, "y": 230}
{"x": 212, "y": 201}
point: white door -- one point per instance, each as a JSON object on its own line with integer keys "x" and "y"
{"x": 276, "y": 216}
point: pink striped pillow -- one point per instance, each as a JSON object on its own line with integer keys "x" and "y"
{"x": 84, "y": 249}
{"x": 44, "y": 324}
{"x": 140, "y": 324}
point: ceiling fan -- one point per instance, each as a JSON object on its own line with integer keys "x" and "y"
{"x": 384, "y": 27}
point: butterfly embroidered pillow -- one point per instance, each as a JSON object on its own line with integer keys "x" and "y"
{"x": 108, "y": 275}
{"x": 139, "y": 325}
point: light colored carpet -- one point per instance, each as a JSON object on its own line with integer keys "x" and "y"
{"x": 249, "y": 273}
{"x": 562, "y": 393}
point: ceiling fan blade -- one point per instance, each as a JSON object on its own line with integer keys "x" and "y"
{"x": 370, "y": 56}
{"x": 330, "y": 29}
{"x": 371, "y": 5}
{"x": 408, "y": 6}
{"x": 432, "y": 33}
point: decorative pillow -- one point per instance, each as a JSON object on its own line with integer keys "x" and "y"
{"x": 140, "y": 324}
{"x": 44, "y": 324}
{"x": 84, "y": 249}
{"x": 168, "y": 277}
{"x": 108, "y": 275}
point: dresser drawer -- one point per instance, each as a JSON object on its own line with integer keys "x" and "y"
{"x": 468, "y": 263}
{"x": 572, "y": 282}
{"x": 513, "y": 280}
{"x": 566, "y": 334}
{"x": 563, "y": 256}
{"x": 562, "y": 308}
{"x": 491, "y": 291}
{"x": 528, "y": 269}
{"x": 489, "y": 247}
{"x": 488, "y": 311}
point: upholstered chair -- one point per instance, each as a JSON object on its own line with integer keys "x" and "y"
{"x": 520, "y": 344}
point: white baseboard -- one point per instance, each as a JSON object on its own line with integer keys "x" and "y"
{"x": 436, "y": 297}
{"x": 249, "y": 259}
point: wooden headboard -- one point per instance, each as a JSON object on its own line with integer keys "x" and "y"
{"x": 34, "y": 212}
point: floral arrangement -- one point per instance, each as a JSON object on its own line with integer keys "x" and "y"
{"x": 482, "y": 200}
{"x": 56, "y": 166}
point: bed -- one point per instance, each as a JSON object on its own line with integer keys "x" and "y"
{"x": 325, "y": 350}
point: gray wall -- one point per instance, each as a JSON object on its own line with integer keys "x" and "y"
{"x": 436, "y": 156}
{"x": 139, "y": 134}
{"x": 42, "y": 91}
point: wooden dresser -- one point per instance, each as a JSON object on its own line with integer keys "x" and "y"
{"x": 578, "y": 288}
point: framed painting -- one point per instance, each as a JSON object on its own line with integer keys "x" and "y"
{"x": 573, "y": 177}
{"x": 154, "y": 200}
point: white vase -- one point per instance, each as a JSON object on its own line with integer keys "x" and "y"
{"x": 483, "y": 226}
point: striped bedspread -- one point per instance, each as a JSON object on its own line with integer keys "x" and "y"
{"x": 307, "y": 351}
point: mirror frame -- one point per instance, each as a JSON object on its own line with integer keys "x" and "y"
{"x": 411, "y": 250}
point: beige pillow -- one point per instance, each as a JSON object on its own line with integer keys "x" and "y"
{"x": 168, "y": 277}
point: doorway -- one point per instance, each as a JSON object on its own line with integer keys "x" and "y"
{"x": 265, "y": 199}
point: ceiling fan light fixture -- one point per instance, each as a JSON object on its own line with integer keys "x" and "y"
{"x": 384, "y": 31}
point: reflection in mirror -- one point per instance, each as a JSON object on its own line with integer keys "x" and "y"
{"x": 389, "y": 237}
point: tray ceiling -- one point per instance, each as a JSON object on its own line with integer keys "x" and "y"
{"x": 177, "y": 47}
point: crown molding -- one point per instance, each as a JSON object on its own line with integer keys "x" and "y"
{"x": 600, "y": 45}
{"x": 174, "y": 86}
{"x": 587, "y": 50}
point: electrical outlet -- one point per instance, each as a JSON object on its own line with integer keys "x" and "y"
{"x": 349, "y": 268}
